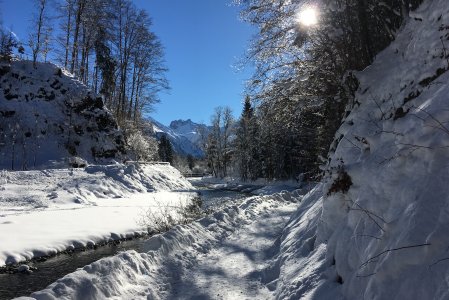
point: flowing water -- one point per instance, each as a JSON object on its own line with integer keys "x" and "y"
{"x": 19, "y": 284}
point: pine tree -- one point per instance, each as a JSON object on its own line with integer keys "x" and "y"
{"x": 165, "y": 149}
{"x": 243, "y": 140}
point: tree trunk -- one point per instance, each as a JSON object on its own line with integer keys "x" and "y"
{"x": 40, "y": 22}
{"x": 67, "y": 37}
{"x": 364, "y": 31}
{"x": 79, "y": 14}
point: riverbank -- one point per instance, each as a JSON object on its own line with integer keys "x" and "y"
{"x": 53, "y": 211}
{"x": 47, "y": 271}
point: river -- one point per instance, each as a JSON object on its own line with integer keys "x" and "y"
{"x": 19, "y": 284}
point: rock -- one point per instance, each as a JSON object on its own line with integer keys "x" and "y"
{"x": 24, "y": 269}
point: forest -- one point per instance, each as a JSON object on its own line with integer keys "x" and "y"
{"x": 328, "y": 180}
{"x": 303, "y": 85}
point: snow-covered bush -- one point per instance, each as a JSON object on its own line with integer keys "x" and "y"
{"x": 166, "y": 216}
{"x": 140, "y": 145}
{"x": 143, "y": 147}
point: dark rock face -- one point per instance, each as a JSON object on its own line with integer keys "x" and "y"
{"x": 51, "y": 117}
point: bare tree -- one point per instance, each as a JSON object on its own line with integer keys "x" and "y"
{"x": 79, "y": 12}
{"x": 40, "y": 22}
{"x": 219, "y": 149}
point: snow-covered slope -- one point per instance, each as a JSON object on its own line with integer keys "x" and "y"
{"x": 378, "y": 227}
{"x": 185, "y": 136}
{"x": 47, "y": 117}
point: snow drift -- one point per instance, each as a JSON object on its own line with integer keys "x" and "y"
{"x": 376, "y": 228}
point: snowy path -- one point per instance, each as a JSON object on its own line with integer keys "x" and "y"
{"x": 235, "y": 267}
{"x": 227, "y": 255}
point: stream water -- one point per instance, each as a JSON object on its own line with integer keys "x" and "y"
{"x": 19, "y": 284}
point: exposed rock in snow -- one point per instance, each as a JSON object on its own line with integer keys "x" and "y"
{"x": 189, "y": 129}
{"x": 47, "y": 117}
{"x": 376, "y": 228}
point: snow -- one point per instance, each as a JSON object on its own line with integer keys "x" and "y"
{"x": 46, "y": 212}
{"x": 385, "y": 237}
{"x": 222, "y": 256}
{"x": 258, "y": 187}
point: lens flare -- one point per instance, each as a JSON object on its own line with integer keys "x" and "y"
{"x": 308, "y": 16}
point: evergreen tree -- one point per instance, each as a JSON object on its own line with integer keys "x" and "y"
{"x": 7, "y": 45}
{"x": 190, "y": 162}
{"x": 243, "y": 143}
{"x": 165, "y": 149}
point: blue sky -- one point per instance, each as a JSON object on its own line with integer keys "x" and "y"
{"x": 203, "y": 39}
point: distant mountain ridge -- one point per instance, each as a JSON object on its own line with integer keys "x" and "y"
{"x": 185, "y": 135}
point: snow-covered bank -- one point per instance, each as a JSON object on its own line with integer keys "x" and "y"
{"x": 199, "y": 259}
{"x": 377, "y": 229}
{"x": 45, "y": 212}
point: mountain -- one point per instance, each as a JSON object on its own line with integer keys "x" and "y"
{"x": 184, "y": 135}
{"x": 192, "y": 131}
{"x": 48, "y": 118}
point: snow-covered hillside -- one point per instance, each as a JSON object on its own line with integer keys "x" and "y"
{"x": 377, "y": 227}
{"x": 185, "y": 136}
{"x": 48, "y": 117}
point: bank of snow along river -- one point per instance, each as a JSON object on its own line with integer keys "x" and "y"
{"x": 68, "y": 216}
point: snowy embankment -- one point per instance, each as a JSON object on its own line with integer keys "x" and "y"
{"x": 46, "y": 212}
{"x": 222, "y": 256}
{"x": 377, "y": 229}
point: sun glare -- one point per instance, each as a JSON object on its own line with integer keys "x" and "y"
{"x": 308, "y": 16}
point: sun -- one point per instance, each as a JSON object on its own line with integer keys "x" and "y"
{"x": 308, "y": 16}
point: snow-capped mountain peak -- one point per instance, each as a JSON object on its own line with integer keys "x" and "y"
{"x": 185, "y": 135}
